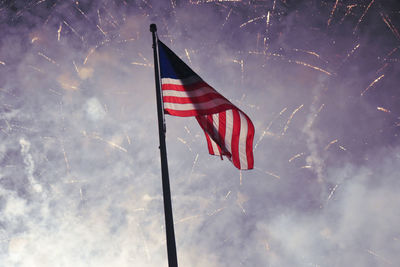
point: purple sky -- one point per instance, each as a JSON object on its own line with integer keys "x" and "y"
{"x": 80, "y": 175}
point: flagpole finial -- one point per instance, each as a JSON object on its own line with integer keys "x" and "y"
{"x": 153, "y": 27}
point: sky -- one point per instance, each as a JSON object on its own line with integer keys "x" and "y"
{"x": 80, "y": 179}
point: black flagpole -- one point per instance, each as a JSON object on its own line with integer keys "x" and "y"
{"x": 169, "y": 221}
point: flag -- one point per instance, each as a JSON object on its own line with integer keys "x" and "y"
{"x": 229, "y": 131}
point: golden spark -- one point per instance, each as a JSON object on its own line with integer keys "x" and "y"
{"x": 269, "y": 173}
{"x": 333, "y": 11}
{"x": 290, "y": 119}
{"x": 188, "y": 56}
{"x": 48, "y": 58}
{"x": 73, "y": 30}
{"x": 391, "y": 26}
{"x": 331, "y": 143}
{"x": 383, "y": 109}
{"x": 90, "y": 52}
{"x": 362, "y": 16}
{"x": 310, "y": 66}
{"x": 266, "y": 130}
{"x": 296, "y": 156}
{"x": 59, "y": 32}
{"x": 252, "y": 20}
{"x": 372, "y": 84}
{"x": 332, "y": 192}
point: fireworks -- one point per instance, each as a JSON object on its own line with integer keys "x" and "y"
{"x": 290, "y": 118}
{"x": 372, "y": 84}
{"x": 296, "y": 156}
{"x": 383, "y": 109}
{"x": 300, "y": 69}
{"x": 362, "y": 16}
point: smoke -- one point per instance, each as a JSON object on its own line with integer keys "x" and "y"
{"x": 80, "y": 172}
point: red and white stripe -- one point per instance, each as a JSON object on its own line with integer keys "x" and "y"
{"x": 228, "y": 130}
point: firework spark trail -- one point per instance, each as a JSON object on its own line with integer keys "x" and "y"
{"x": 372, "y": 84}
{"x": 227, "y": 17}
{"x": 187, "y": 129}
{"x": 362, "y": 16}
{"x": 34, "y": 39}
{"x": 266, "y": 130}
{"x": 113, "y": 21}
{"x": 391, "y": 26}
{"x": 383, "y": 109}
{"x": 332, "y": 192}
{"x": 306, "y": 167}
{"x": 112, "y": 144}
{"x": 98, "y": 16}
{"x": 183, "y": 141}
{"x": 296, "y": 156}
{"x": 269, "y": 173}
{"x": 351, "y": 53}
{"x": 391, "y": 52}
{"x": 142, "y": 64}
{"x": 2, "y": 63}
{"x": 128, "y": 139}
{"x": 9, "y": 127}
{"x": 65, "y": 156}
{"x": 268, "y": 21}
{"x": 39, "y": 2}
{"x": 80, "y": 11}
{"x": 330, "y": 143}
{"x": 88, "y": 55}
{"x": 252, "y": 20}
{"x": 75, "y": 66}
{"x": 241, "y": 63}
{"x": 311, "y": 66}
{"x": 36, "y": 68}
{"x": 240, "y": 200}
{"x": 290, "y": 119}
{"x": 381, "y": 69}
{"x": 188, "y": 56}
{"x": 193, "y": 165}
{"x": 348, "y": 12}
{"x": 81, "y": 193}
{"x": 310, "y": 53}
{"x": 55, "y": 92}
{"x": 101, "y": 30}
{"x": 189, "y": 218}
{"x": 216, "y": 211}
{"x": 145, "y": 59}
{"x": 332, "y": 12}
{"x": 59, "y": 32}
{"x": 74, "y": 31}
{"x": 48, "y": 58}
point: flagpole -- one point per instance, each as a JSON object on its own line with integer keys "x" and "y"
{"x": 169, "y": 222}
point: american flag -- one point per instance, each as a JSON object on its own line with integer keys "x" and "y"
{"x": 229, "y": 131}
